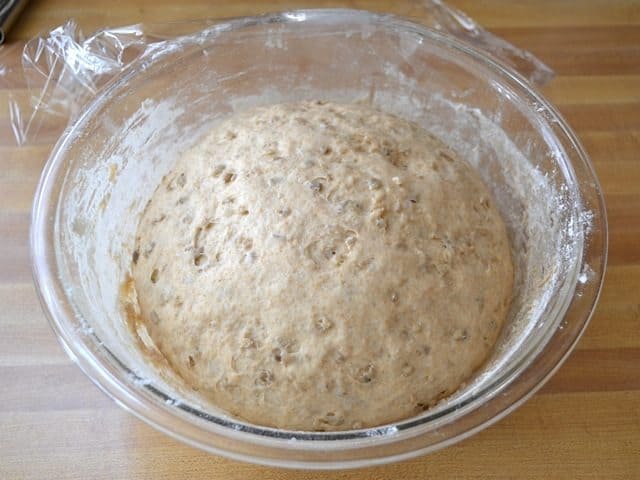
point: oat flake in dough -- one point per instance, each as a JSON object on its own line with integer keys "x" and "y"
{"x": 318, "y": 266}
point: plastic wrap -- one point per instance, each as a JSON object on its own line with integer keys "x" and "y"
{"x": 63, "y": 70}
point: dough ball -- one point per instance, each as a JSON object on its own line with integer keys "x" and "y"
{"x": 319, "y": 266}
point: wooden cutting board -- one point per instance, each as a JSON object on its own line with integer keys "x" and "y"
{"x": 584, "y": 423}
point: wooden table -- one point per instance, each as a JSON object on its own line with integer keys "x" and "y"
{"x": 584, "y": 423}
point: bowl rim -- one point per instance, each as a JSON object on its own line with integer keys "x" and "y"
{"x": 58, "y": 306}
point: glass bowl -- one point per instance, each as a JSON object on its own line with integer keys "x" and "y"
{"x": 107, "y": 164}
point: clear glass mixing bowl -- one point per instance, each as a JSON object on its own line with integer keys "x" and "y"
{"x": 105, "y": 167}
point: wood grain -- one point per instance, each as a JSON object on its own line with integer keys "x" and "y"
{"x": 585, "y": 423}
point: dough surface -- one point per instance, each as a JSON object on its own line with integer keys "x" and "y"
{"x": 319, "y": 266}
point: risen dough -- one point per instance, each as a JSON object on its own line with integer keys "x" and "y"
{"x": 318, "y": 266}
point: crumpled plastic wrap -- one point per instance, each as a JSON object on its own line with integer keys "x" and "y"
{"x": 64, "y": 70}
